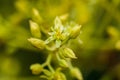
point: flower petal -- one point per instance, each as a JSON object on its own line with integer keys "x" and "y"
{"x": 49, "y": 40}
{"x": 58, "y": 43}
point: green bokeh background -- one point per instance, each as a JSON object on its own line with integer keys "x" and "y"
{"x": 98, "y": 55}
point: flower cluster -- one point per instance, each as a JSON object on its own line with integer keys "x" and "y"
{"x": 59, "y": 36}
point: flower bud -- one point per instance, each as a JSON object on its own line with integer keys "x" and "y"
{"x": 61, "y": 54}
{"x": 64, "y": 16}
{"x": 35, "y": 30}
{"x": 36, "y": 68}
{"x": 36, "y": 16}
{"x": 58, "y": 23}
{"x": 59, "y": 76}
{"x": 75, "y": 72}
{"x": 63, "y": 77}
{"x": 47, "y": 72}
{"x": 63, "y": 63}
{"x": 37, "y": 43}
{"x": 75, "y": 31}
{"x": 68, "y": 53}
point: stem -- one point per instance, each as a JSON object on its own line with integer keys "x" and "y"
{"x": 70, "y": 64}
{"x": 57, "y": 56}
{"x": 51, "y": 69}
{"x": 47, "y": 63}
{"x": 48, "y": 60}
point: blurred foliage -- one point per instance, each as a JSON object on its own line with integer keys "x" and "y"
{"x": 98, "y": 56}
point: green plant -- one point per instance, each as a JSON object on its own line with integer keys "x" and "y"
{"x": 55, "y": 46}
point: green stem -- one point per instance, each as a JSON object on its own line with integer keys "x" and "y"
{"x": 57, "y": 56}
{"x": 47, "y": 63}
{"x": 51, "y": 68}
{"x": 70, "y": 64}
{"x": 48, "y": 60}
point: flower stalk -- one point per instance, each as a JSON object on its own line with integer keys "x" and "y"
{"x": 56, "y": 47}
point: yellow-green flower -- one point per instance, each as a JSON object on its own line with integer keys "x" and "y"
{"x": 36, "y": 68}
{"x": 58, "y": 34}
